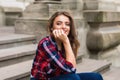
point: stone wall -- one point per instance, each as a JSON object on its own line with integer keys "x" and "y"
{"x": 36, "y": 15}
{"x": 103, "y": 37}
{"x": 2, "y": 17}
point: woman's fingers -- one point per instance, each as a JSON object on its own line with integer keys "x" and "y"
{"x": 54, "y": 33}
{"x": 59, "y": 34}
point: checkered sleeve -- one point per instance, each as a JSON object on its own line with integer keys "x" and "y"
{"x": 58, "y": 59}
{"x": 39, "y": 64}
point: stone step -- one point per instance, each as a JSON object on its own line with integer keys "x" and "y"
{"x": 101, "y": 16}
{"x": 17, "y": 54}
{"x": 7, "y": 41}
{"x": 100, "y": 5}
{"x": 79, "y": 57}
{"x": 16, "y": 71}
{"x": 91, "y": 65}
{"x": 7, "y": 30}
{"x": 112, "y": 74}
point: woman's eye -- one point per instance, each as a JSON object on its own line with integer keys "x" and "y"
{"x": 58, "y": 23}
{"x": 67, "y": 24}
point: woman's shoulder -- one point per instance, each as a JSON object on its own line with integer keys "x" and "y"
{"x": 45, "y": 39}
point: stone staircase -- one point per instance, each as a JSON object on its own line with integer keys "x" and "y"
{"x": 17, "y": 50}
{"x": 16, "y": 56}
{"x": 16, "y": 53}
{"x": 16, "y": 61}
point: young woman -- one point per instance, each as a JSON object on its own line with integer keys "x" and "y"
{"x": 56, "y": 54}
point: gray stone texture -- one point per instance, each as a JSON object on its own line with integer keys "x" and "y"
{"x": 101, "y": 16}
{"x": 37, "y": 27}
{"x": 13, "y": 40}
{"x": 34, "y": 20}
{"x": 103, "y": 30}
{"x": 99, "y": 5}
{"x": 11, "y": 14}
{"x": 36, "y": 10}
{"x": 112, "y": 55}
{"x": 103, "y": 36}
{"x": 36, "y": 15}
{"x": 2, "y": 17}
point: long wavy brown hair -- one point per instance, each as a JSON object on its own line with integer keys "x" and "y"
{"x": 72, "y": 34}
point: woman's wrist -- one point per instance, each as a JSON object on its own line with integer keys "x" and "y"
{"x": 66, "y": 41}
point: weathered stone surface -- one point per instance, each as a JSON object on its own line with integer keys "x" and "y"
{"x": 13, "y": 10}
{"x": 13, "y": 40}
{"x": 35, "y": 10}
{"x": 113, "y": 74}
{"x": 87, "y": 66}
{"x": 82, "y": 29}
{"x": 117, "y": 2}
{"x": 112, "y": 55}
{"x": 13, "y": 55}
{"x": 11, "y": 18}
{"x": 101, "y": 16}
{"x": 99, "y": 5}
{"x": 73, "y": 7}
{"x": 36, "y": 27}
{"x": 103, "y": 36}
{"x": 6, "y": 30}
{"x": 2, "y": 17}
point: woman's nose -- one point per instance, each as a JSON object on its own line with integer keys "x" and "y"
{"x": 63, "y": 26}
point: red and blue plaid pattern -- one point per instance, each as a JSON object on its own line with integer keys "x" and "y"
{"x": 49, "y": 61}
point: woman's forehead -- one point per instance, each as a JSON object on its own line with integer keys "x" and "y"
{"x": 62, "y": 18}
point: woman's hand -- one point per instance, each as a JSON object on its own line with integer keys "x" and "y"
{"x": 60, "y": 35}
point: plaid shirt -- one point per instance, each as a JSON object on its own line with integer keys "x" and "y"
{"x": 49, "y": 61}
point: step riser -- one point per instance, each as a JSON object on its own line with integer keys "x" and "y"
{"x": 103, "y": 70}
{"x": 27, "y": 77}
{"x": 20, "y": 77}
{"x": 16, "y": 60}
{"x": 9, "y": 29}
{"x": 16, "y": 43}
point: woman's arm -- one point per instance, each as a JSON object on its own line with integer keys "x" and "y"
{"x": 53, "y": 54}
{"x": 69, "y": 52}
{"x": 60, "y": 35}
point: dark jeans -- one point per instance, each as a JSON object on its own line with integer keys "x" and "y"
{"x": 78, "y": 76}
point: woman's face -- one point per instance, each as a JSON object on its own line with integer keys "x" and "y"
{"x": 63, "y": 23}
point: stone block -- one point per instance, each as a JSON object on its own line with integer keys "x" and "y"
{"x": 36, "y": 27}
{"x": 82, "y": 29}
{"x": 2, "y": 17}
{"x": 101, "y": 16}
{"x": 11, "y": 18}
{"x": 74, "y": 7}
{"x": 99, "y": 5}
{"x": 36, "y": 10}
{"x": 117, "y": 4}
{"x": 103, "y": 36}
{"x": 11, "y": 14}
